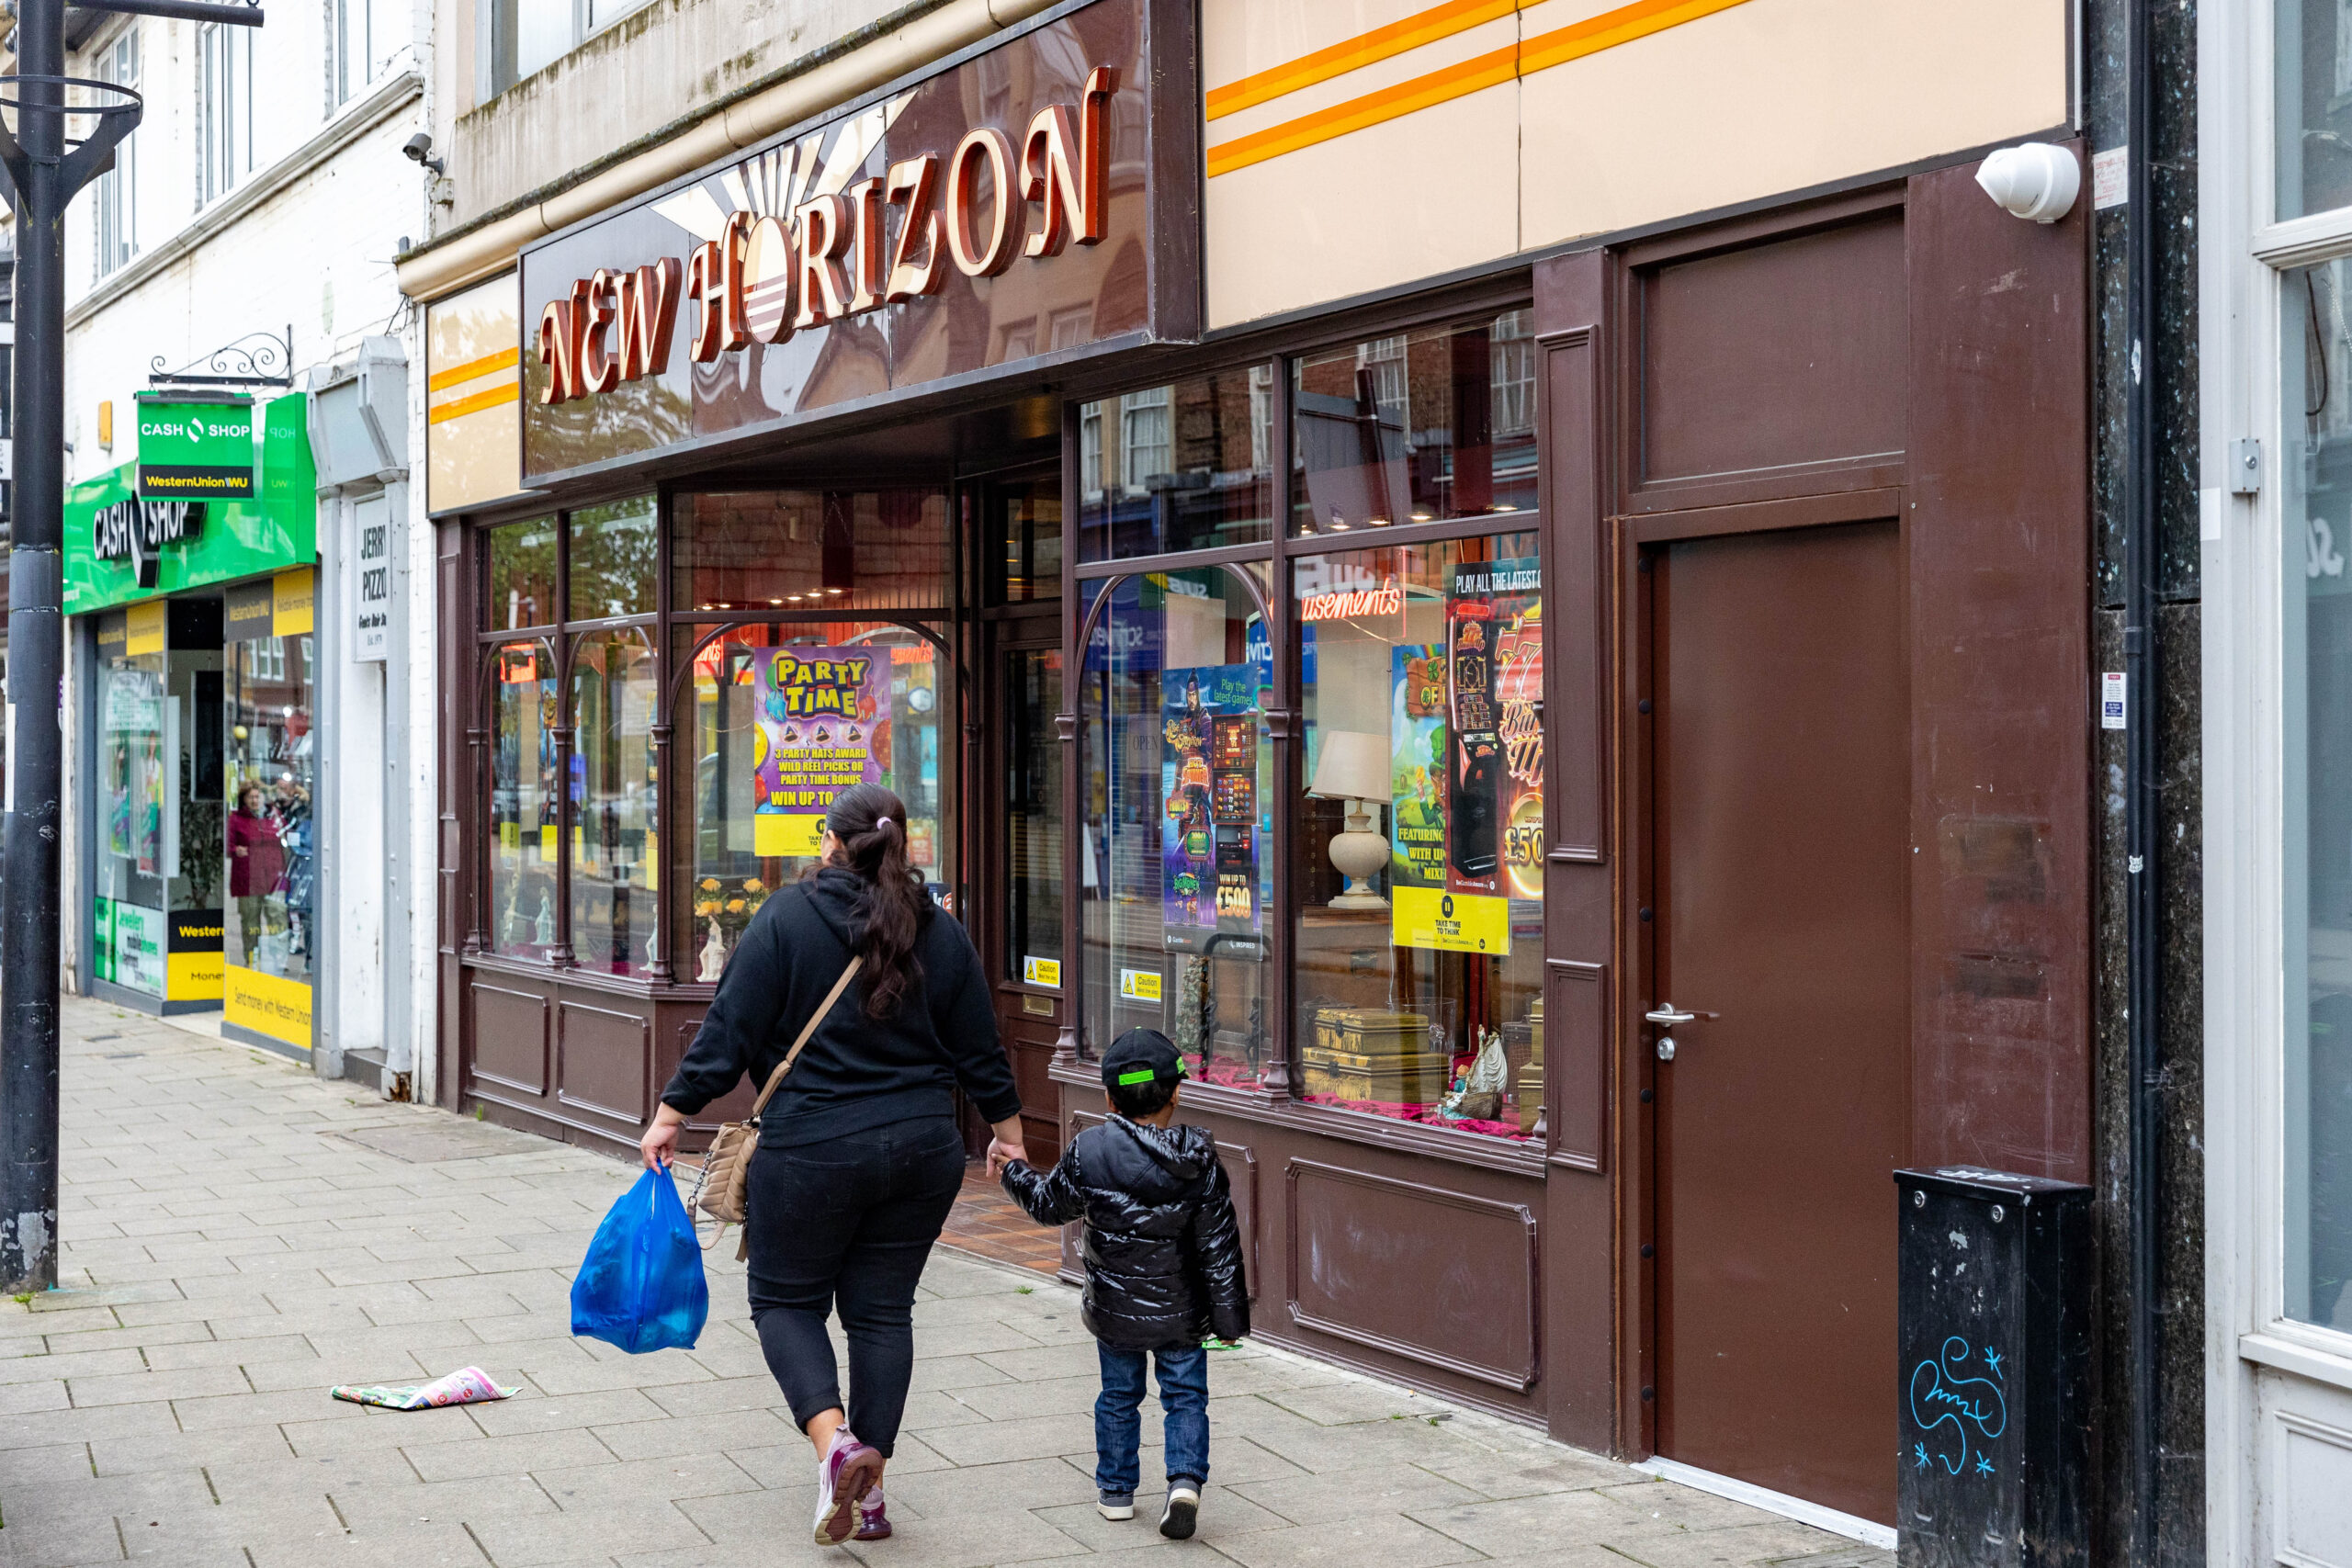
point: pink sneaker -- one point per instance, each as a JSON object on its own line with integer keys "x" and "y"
{"x": 873, "y": 1524}
{"x": 847, "y": 1472}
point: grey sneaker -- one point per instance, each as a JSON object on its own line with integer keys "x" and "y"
{"x": 1116, "y": 1504}
{"x": 1183, "y": 1513}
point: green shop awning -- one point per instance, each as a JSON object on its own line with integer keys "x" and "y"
{"x": 119, "y": 549}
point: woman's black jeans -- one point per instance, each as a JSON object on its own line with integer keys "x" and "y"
{"x": 848, "y": 1223}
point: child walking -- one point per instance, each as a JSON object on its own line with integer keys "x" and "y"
{"x": 1163, "y": 1269}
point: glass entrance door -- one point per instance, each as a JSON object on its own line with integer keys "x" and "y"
{"x": 1018, "y": 823}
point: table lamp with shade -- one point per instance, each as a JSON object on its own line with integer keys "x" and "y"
{"x": 1353, "y": 766}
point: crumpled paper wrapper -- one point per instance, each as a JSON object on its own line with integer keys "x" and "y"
{"x": 469, "y": 1385}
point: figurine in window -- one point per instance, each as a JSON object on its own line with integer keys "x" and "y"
{"x": 1478, "y": 1094}
{"x": 714, "y": 954}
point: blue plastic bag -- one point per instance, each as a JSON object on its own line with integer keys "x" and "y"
{"x": 641, "y": 1287}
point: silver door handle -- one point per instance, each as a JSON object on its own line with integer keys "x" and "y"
{"x": 1663, "y": 1013}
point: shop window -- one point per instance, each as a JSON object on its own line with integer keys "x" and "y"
{"x": 783, "y": 717}
{"x": 523, "y": 576}
{"x": 1176, "y": 467}
{"x": 1032, "y": 785}
{"x": 159, "y": 879}
{"x": 753, "y": 552}
{"x": 1418, "y": 427}
{"x": 616, "y": 849}
{"x": 270, "y": 925}
{"x": 523, "y": 799}
{"x": 2316, "y": 479}
{"x": 614, "y": 550}
{"x": 2314, "y": 38}
{"x": 1178, "y": 821}
{"x": 1419, "y": 942}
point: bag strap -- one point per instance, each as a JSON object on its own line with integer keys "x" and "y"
{"x": 777, "y": 1078}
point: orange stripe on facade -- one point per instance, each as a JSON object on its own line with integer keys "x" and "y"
{"x": 1471, "y": 75}
{"x": 1613, "y": 28}
{"x": 1351, "y": 54}
{"x": 473, "y": 369}
{"x": 1557, "y": 47}
{"x": 457, "y": 408}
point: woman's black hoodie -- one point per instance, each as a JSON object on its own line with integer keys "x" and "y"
{"x": 856, "y": 1072}
{"x": 1163, "y": 1250}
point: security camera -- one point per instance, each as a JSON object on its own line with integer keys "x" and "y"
{"x": 2036, "y": 181}
{"x": 416, "y": 147}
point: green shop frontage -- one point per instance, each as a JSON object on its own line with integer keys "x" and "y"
{"x": 191, "y": 579}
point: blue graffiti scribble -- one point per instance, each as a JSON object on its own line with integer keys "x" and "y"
{"x": 1920, "y": 1456}
{"x": 1974, "y": 1405}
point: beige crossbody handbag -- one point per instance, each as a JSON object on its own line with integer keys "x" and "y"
{"x": 721, "y": 1190}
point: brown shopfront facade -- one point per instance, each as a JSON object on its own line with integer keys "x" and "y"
{"x": 1586, "y": 753}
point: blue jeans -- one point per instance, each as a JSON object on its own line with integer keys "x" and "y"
{"x": 1118, "y": 1429}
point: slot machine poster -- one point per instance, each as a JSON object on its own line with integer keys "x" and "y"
{"x": 1519, "y": 695}
{"x": 823, "y": 727}
{"x": 1210, "y": 828}
{"x": 1475, "y": 754}
{"x": 1417, "y": 765}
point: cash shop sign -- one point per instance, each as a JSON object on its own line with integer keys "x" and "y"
{"x": 195, "y": 451}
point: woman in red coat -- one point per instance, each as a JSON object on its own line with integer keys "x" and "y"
{"x": 256, "y": 865}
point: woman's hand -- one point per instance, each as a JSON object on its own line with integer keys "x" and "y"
{"x": 660, "y": 1140}
{"x": 1007, "y": 1147}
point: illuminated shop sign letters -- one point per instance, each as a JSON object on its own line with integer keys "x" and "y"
{"x": 882, "y": 241}
{"x": 137, "y": 530}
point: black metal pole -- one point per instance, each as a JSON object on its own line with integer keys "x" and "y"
{"x": 30, "y": 909}
{"x": 2142, "y": 793}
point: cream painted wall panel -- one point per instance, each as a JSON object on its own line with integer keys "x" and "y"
{"x": 1241, "y": 38}
{"x": 1775, "y": 96}
{"x": 1390, "y": 204}
{"x": 1741, "y": 105}
{"x": 472, "y": 458}
{"x": 1468, "y": 44}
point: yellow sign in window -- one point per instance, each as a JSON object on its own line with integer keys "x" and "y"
{"x": 783, "y": 833}
{"x": 1452, "y": 922}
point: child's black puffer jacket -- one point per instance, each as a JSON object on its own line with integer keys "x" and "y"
{"x": 1163, "y": 1252}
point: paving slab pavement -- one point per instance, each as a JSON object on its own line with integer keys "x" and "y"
{"x": 239, "y": 1235}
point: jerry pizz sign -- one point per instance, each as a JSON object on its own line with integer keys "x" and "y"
{"x": 908, "y": 244}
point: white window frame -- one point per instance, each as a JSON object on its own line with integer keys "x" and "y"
{"x": 1147, "y": 410}
{"x": 115, "y": 208}
{"x": 224, "y": 109}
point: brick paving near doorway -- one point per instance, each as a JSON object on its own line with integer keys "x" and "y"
{"x": 240, "y": 1236}
{"x": 988, "y": 1224}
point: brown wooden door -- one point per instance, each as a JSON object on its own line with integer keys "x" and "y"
{"x": 1779, "y": 879}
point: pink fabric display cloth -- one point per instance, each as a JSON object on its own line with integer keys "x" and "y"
{"x": 469, "y": 1385}
{"x": 1425, "y": 1115}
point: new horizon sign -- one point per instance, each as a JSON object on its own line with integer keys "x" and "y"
{"x": 958, "y": 232}
{"x": 884, "y": 240}
{"x": 195, "y": 451}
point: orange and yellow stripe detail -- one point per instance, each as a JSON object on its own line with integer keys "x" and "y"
{"x": 505, "y": 363}
{"x": 1591, "y": 36}
{"x": 1353, "y": 54}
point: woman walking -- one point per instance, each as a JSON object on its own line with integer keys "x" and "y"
{"x": 860, "y": 1158}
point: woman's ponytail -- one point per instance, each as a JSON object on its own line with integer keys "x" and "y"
{"x": 870, "y": 823}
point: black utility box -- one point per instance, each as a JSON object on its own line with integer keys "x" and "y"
{"x": 1992, "y": 1324}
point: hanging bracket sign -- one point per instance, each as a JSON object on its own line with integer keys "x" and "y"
{"x": 195, "y": 451}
